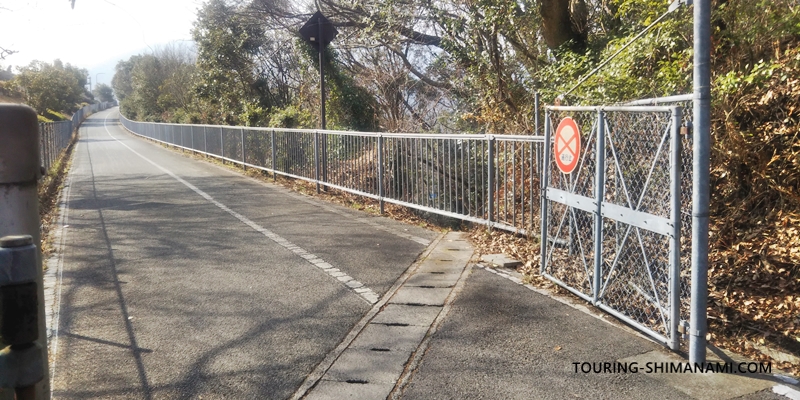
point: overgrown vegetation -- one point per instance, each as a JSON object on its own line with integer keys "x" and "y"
{"x": 467, "y": 66}
{"x": 755, "y": 205}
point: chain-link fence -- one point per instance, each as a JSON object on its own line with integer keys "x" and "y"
{"x": 686, "y": 155}
{"x": 613, "y": 225}
{"x": 489, "y": 179}
{"x": 54, "y": 137}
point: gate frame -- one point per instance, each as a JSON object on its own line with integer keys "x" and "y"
{"x": 674, "y": 221}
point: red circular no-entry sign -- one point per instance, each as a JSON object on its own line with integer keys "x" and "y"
{"x": 567, "y": 145}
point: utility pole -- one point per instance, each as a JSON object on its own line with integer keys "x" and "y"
{"x": 698, "y": 321}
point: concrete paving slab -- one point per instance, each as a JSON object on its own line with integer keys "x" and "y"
{"x": 335, "y": 390}
{"x": 420, "y": 295}
{"x": 442, "y": 267}
{"x": 501, "y": 260}
{"x": 403, "y": 314}
{"x": 382, "y": 349}
{"x": 396, "y": 338}
{"x": 368, "y": 365}
{"x": 436, "y": 280}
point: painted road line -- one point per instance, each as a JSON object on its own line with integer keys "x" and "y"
{"x": 367, "y": 294}
{"x": 55, "y": 271}
{"x": 317, "y": 203}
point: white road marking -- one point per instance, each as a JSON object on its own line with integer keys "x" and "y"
{"x": 55, "y": 272}
{"x": 365, "y": 293}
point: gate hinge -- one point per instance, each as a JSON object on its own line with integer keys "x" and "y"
{"x": 683, "y": 329}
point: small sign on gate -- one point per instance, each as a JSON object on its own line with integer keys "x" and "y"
{"x": 567, "y": 145}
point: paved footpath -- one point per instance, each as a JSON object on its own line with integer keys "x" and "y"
{"x": 181, "y": 279}
{"x": 504, "y": 340}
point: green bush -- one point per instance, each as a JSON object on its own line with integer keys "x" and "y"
{"x": 54, "y": 115}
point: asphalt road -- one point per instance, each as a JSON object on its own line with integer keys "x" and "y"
{"x": 183, "y": 280}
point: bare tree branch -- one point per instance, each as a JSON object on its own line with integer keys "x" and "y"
{"x": 6, "y": 52}
{"x": 416, "y": 72}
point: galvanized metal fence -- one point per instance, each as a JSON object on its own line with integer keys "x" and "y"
{"x": 488, "y": 179}
{"x": 616, "y": 229}
{"x": 54, "y": 137}
{"x": 628, "y": 201}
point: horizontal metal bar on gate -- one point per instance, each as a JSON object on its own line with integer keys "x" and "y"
{"x": 568, "y": 287}
{"x": 661, "y": 100}
{"x": 572, "y": 200}
{"x": 636, "y": 324}
{"x": 613, "y": 108}
{"x": 515, "y": 138}
{"x": 650, "y": 222}
{"x": 572, "y": 108}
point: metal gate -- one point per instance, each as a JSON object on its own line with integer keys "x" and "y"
{"x": 611, "y": 230}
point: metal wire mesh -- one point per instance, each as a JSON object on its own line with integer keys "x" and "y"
{"x": 637, "y": 215}
{"x": 569, "y": 247}
{"x": 636, "y": 261}
{"x": 686, "y": 154}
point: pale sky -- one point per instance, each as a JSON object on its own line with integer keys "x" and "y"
{"x": 94, "y": 35}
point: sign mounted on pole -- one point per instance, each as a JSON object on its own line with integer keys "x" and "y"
{"x": 318, "y": 30}
{"x": 567, "y": 145}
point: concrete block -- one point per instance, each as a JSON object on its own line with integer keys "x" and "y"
{"x": 420, "y": 295}
{"x": 396, "y": 338}
{"x": 501, "y": 260}
{"x": 368, "y": 365}
{"x": 411, "y": 315}
{"x": 335, "y": 390}
{"x": 435, "y": 280}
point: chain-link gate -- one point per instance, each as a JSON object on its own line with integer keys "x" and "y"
{"x": 613, "y": 189}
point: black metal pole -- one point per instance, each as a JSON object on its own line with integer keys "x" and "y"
{"x": 323, "y": 125}
{"x": 321, "y": 78}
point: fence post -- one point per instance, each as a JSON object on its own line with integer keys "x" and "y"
{"x": 191, "y": 137}
{"x": 380, "y": 173}
{"x": 543, "y": 196}
{"x": 272, "y": 145}
{"x": 19, "y": 215}
{"x": 536, "y": 128}
{"x": 316, "y": 158}
{"x": 675, "y": 242}
{"x": 241, "y": 132}
{"x": 490, "y": 180}
{"x": 599, "y": 185}
{"x": 222, "y": 144}
{"x": 205, "y": 142}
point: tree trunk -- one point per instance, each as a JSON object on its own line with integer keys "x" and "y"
{"x": 564, "y": 21}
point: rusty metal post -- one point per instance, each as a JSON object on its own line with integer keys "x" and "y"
{"x": 20, "y": 170}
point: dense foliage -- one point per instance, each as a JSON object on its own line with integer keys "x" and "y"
{"x": 103, "y": 92}
{"x": 56, "y": 86}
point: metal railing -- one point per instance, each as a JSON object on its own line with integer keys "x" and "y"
{"x": 54, "y": 137}
{"x": 488, "y": 179}
{"x": 618, "y": 235}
